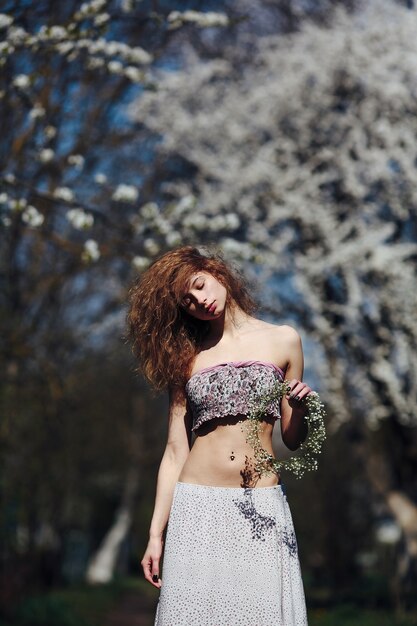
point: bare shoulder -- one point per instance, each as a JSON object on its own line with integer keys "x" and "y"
{"x": 288, "y": 334}
{"x": 280, "y": 332}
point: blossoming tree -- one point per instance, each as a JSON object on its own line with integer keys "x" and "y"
{"x": 293, "y": 153}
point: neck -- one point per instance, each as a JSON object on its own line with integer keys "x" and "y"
{"x": 228, "y": 325}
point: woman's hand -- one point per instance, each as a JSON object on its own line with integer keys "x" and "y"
{"x": 150, "y": 561}
{"x": 299, "y": 391}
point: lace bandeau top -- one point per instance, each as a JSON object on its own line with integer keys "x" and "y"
{"x": 229, "y": 389}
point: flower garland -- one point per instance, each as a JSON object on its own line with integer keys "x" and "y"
{"x": 305, "y": 460}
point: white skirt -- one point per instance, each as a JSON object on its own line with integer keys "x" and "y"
{"x": 230, "y": 559}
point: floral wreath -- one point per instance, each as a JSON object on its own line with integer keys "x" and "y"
{"x": 305, "y": 459}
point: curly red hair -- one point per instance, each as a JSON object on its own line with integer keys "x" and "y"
{"x": 165, "y": 338}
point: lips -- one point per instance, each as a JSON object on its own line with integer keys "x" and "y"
{"x": 211, "y": 308}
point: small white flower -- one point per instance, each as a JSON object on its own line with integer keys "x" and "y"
{"x": 80, "y": 219}
{"x": 95, "y": 62}
{"x": 125, "y": 193}
{"x": 232, "y": 221}
{"x": 32, "y": 216}
{"x": 173, "y": 238}
{"x": 64, "y": 47}
{"x": 64, "y": 193}
{"x": 388, "y": 532}
{"x": 133, "y": 74}
{"x": 127, "y": 5}
{"x": 22, "y": 81}
{"x": 10, "y": 178}
{"x": 5, "y": 20}
{"x": 185, "y": 204}
{"x": 16, "y": 35}
{"x": 50, "y": 131}
{"x": 6, "y": 220}
{"x": 100, "y": 178}
{"x": 210, "y": 18}
{"x": 91, "y": 250}
{"x": 37, "y": 111}
{"x": 139, "y": 55}
{"x": 101, "y": 19}
{"x": 150, "y": 210}
{"x": 46, "y": 155}
{"x": 115, "y": 67}
{"x": 112, "y": 48}
{"x": 77, "y": 160}
{"x": 140, "y": 262}
{"x": 57, "y": 32}
{"x": 151, "y": 246}
{"x": 3, "y": 197}
{"x": 18, "y": 204}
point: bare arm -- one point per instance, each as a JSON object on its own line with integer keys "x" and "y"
{"x": 174, "y": 457}
{"x": 294, "y": 427}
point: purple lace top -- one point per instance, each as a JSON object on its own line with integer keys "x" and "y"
{"x": 228, "y": 389}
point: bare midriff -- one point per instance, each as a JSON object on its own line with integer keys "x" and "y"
{"x": 221, "y": 457}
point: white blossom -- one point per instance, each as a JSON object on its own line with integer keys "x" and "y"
{"x": 125, "y": 193}
{"x": 100, "y": 178}
{"x": 388, "y": 532}
{"x": 133, "y": 74}
{"x": 64, "y": 47}
{"x": 149, "y": 211}
{"x": 101, "y": 19}
{"x": 89, "y": 8}
{"x": 77, "y": 160}
{"x": 3, "y": 197}
{"x": 37, "y": 111}
{"x": 5, "y": 20}
{"x": 115, "y": 67}
{"x": 91, "y": 251}
{"x": 18, "y": 204}
{"x": 140, "y": 262}
{"x": 139, "y": 55}
{"x": 232, "y": 221}
{"x": 32, "y": 216}
{"x": 46, "y": 155}
{"x": 16, "y": 35}
{"x": 22, "y": 81}
{"x": 50, "y": 131}
{"x": 6, "y": 220}
{"x": 173, "y": 238}
{"x": 95, "y": 63}
{"x": 185, "y": 204}
{"x": 57, "y": 32}
{"x": 151, "y": 246}
{"x": 80, "y": 219}
{"x": 64, "y": 193}
{"x": 210, "y": 18}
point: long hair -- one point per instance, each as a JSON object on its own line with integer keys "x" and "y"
{"x": 165, "y": 338}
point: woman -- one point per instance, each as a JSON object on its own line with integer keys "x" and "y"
{"x": 230, "y": 554}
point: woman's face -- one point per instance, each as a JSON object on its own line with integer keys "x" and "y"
{"x": 205, "y": 298}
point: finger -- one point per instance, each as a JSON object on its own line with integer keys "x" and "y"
{"x": 296, "y": 387}
{"x": 150, "y": 570}
{"x": 302, "y": 395}
{"x": 155, "y": 571}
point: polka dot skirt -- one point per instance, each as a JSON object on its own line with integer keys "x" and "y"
{"x": 230, "y": 559}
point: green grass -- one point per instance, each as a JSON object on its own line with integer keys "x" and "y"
{"x": 349, "y": 615}
{"x": 86, "y": 605}
{"x": 80, "y": 604}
